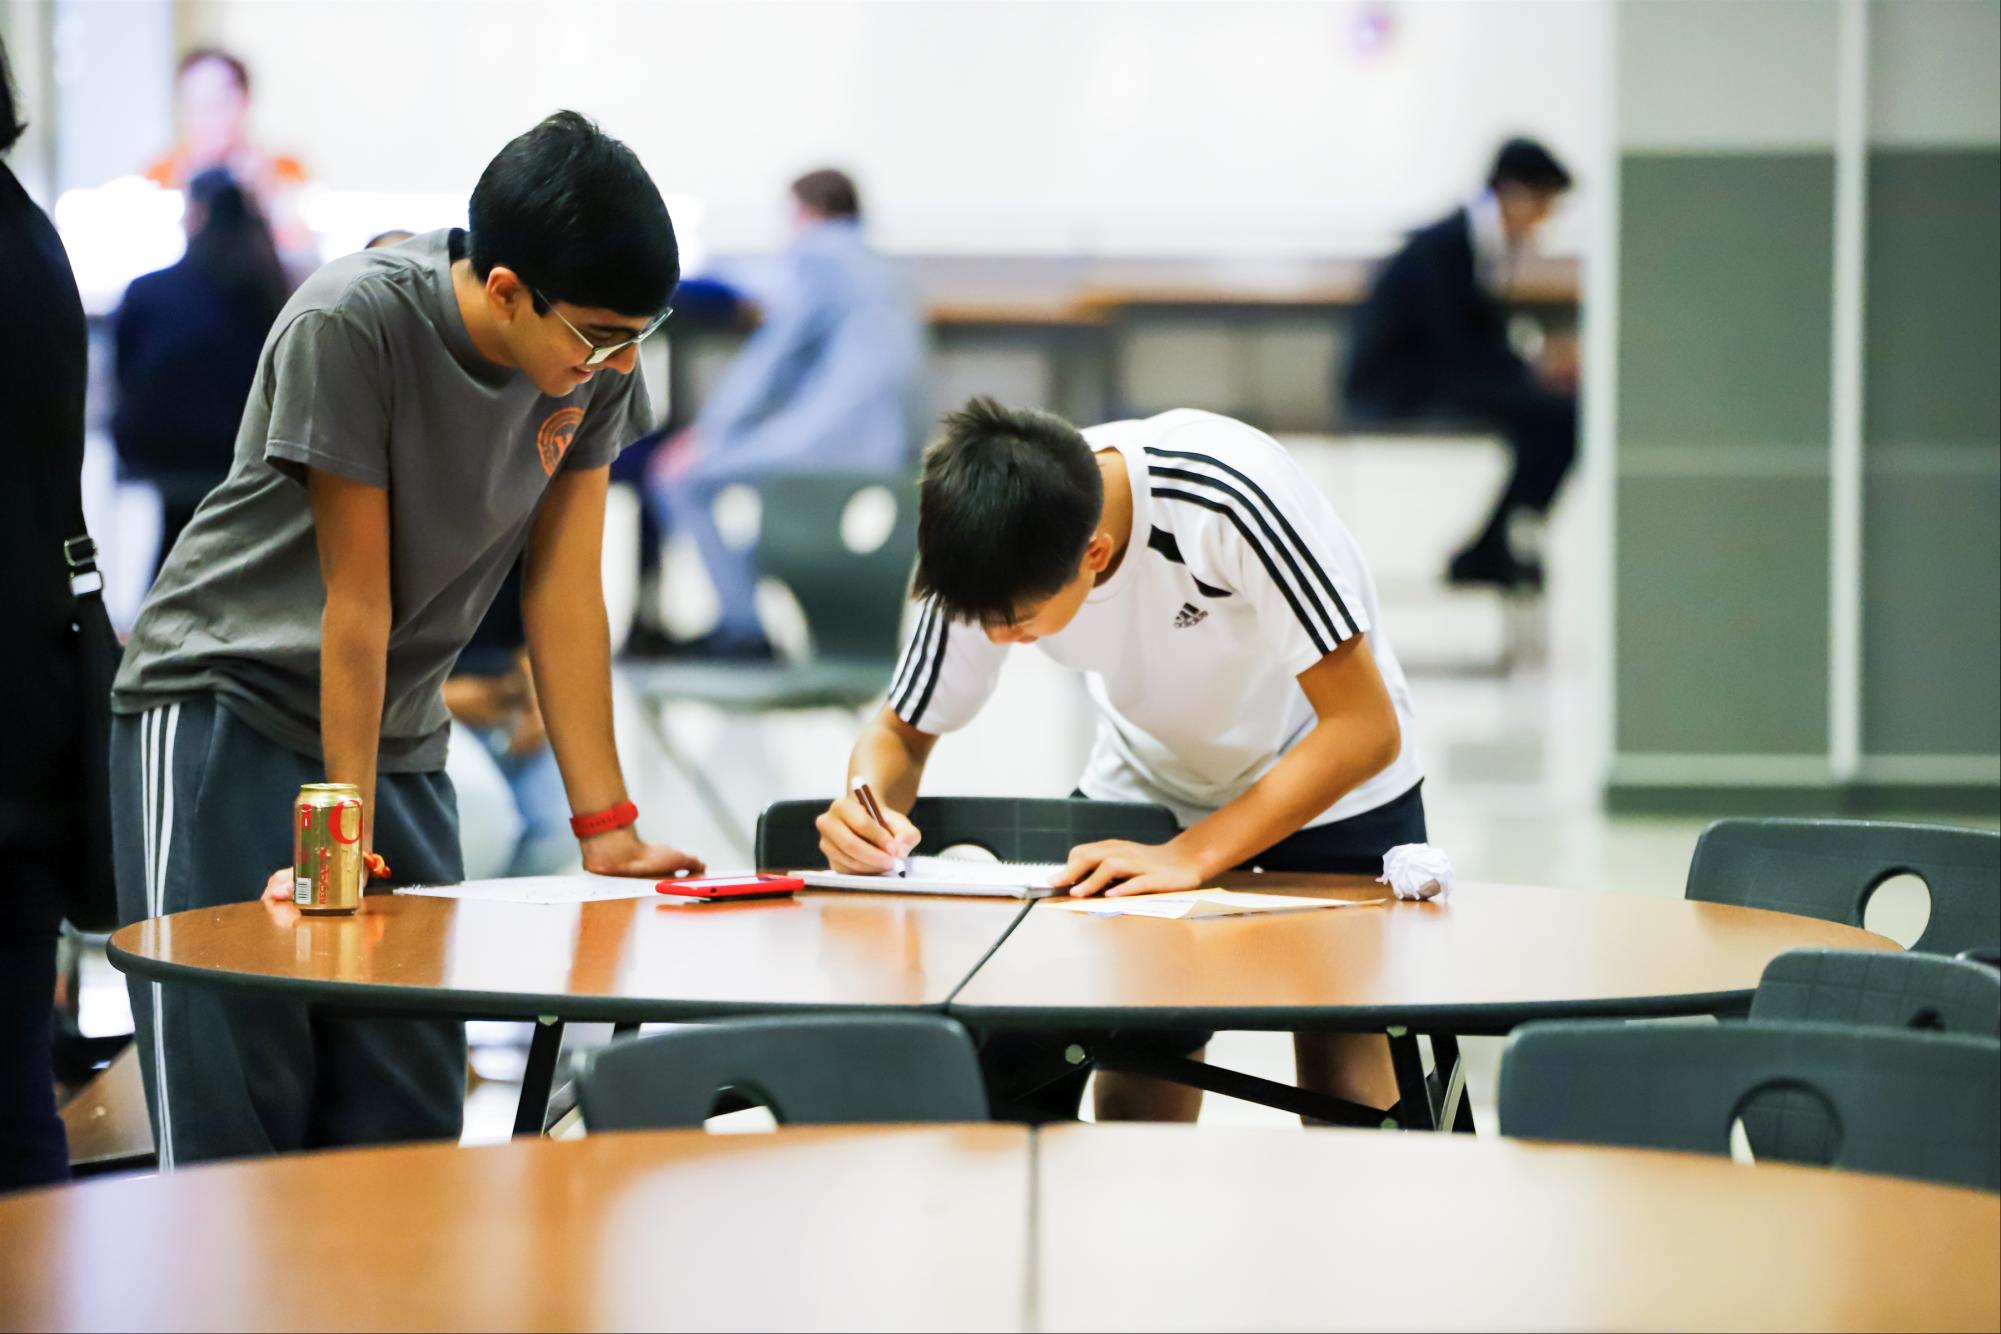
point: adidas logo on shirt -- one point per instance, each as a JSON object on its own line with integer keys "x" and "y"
{"x": 1190, "y": 615}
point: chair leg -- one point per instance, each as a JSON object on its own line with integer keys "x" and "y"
{"x": 1455, "y": 1103}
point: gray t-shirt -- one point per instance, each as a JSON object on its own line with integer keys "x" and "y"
{"x": 368, "y": 373}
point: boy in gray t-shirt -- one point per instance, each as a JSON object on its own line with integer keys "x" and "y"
{"x": 422, "y": 416}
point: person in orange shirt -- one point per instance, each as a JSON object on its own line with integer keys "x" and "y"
{"x": 211, "y": 116}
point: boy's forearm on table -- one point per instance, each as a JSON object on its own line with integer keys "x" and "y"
{"x": 569, "y": 643}
{"x": 1321, "y": 770}
{"x": 354, "y": 669}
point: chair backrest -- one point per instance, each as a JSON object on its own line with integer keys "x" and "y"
{"x": 853, "y": 601}
{"x": 1912, "y": 1104}
{"x": 811, "y": 1070}
{"x": 1874, "y": 989}
{"x": 1014, "y": 829}
{"x": 1829, "y": 868}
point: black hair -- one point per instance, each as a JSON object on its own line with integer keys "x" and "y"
{"x": 233, "y": 248}
{"x": 571, "y": 210}
{"x": 238, "y": 71}
{"x": 1527, "y": 163}
{"x": 829, "y": 193}
{"x": 1009, "y": 499}
{"x": 11, "y": 124}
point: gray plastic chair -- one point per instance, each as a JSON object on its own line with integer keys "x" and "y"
{"x": 1014, "y": 829}
{"x": 811, "y": 1070}
{"x": 1871, "y": 989}
{"x": 1924, "y": 1105}
{"x": 853, "y": 602}
{"x": 1829, "y": 868}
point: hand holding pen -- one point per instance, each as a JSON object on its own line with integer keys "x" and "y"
{"x": 861, "y": 836}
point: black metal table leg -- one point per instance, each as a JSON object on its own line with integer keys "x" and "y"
{"x": 1234, "y": 1084}
{"x": 1455, "y": 1106}
{"x": 536, "y": 1080}
{"x": 1413, "y": 1097}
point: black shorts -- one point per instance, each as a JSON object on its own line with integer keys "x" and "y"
{"x": 1029, "y": 1076}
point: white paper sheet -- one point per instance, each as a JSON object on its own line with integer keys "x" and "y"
{"x": 541, "y": 889}
{"x": 1191, "y": 903}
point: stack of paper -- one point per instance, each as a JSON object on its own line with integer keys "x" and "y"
{"x": 1201, "y": 903}
{"x": 947, "y": 875}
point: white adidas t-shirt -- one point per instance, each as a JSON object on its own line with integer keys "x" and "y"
{"x": 1239, "y": 577}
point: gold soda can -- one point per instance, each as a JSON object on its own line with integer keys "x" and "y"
{"x": 327, "y": 870}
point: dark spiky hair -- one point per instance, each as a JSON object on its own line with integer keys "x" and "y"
{"x": 1009, "y": 500}
{"x": 574, "y": 214}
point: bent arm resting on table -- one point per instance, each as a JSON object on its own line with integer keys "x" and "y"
{"x": 351, "y": 526}
{"x": 1356, "y": 737}
{"x": 569, "y": 643}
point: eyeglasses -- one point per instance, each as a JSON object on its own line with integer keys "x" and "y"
{"x": 600, "y": 353}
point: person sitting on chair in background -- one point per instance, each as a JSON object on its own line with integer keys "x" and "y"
{"x": 833, "y": 381}
{"x": 513, "y": 817}
{"x": 186, "y": 341}
{"x": 1432, "y": 336}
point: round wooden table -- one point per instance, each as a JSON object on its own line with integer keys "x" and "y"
{"x": 626, "y": 961}
{"x": 1491, "y": 957}
{"x": 1487, "y": 959}
{"x": 1075, "y": 1227}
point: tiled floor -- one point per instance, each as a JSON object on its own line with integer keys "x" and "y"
{"x": 1512, "y": 761}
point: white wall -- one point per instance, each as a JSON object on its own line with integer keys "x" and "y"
{"x": 1238, "y": 126}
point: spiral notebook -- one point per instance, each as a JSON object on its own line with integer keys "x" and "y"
{"x": 948, "y": 875}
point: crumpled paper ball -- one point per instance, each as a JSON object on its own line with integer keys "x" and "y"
{"x": 1417, "y": 871}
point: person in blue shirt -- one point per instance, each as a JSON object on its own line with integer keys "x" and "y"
{"x": 832, "y": 381}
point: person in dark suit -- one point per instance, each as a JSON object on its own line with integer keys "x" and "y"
{"x": 1432, "y": 337}
{"x": 44, "y": 776}
{"x": 187, "y": 341}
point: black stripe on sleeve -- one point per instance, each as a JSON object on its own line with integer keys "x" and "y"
{"x": 916, "y": 716}
{"x": 1305, "y": 551}
{"x": 1243, "y": 504}
{"x": 1210, "y": 503}
{"x": 912, "y": 665}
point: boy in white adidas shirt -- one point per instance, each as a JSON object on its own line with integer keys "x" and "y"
{"x": 1227, "y": 630}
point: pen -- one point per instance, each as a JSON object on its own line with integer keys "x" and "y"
{"x": 874, "y": 809}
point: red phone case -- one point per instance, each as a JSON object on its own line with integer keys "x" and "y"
{"x": 731, "y": 887}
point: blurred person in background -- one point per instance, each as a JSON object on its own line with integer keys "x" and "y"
{"x": 832, "y": 381}
{"x": 212, "y": 124}
{"x": 1432, "y": 337}
{"x": 53, "y": 663}
{"x": 186, "y": 343}
{"x": 514, "y": 818}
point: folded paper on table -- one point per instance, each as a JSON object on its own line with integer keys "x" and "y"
{"x": 948, "y": 875}
{"x": 541, "y": 889}
{"x": 1188, "y": 903}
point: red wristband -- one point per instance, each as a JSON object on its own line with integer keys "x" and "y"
{"x": 604, "y": 821}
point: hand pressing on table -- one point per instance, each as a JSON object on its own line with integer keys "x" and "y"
{"x": 623, "y": 852}
{"x": 1115, "y": 867}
